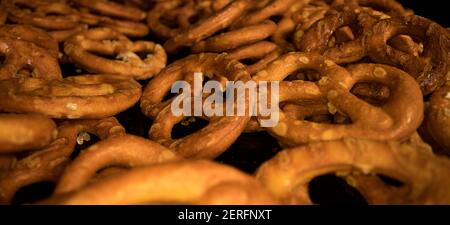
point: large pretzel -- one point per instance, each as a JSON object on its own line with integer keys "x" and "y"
{"x": 198, "y": 182}
{"x": 221, "y": 132}
{"x": 124, "y": 151}
{"x": 25, "y": 59}
{"x": 429, "y": 68}
{"x": 48, "y": 164}
{"x": 82, "y": 49}
{"x": 25, "y": 132}
{"x": 397, "y": 118}
{"x": 424, "y": 175}
{"x": 89, "y": 96}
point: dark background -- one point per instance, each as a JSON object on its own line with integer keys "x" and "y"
{"x": 437, "y": 10}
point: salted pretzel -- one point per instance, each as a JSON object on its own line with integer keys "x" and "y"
{"x": 83, "y": 48}
{"x": 228, "y": 41}
{"x": 221, "y": 131}
{"x": 83, "y": 96}
{"x": 287, "y": 175}
{"x": 318, "y": 38}
{"x": 437, "y": 117}
{"x": 113, "y": 9}
{"x": 48, "y": 164}
{"x": 45, "y": 14}
{"x": 25, "y": 59}
{"x": 21, "y": 132}
{"x": 429, "y": 68}
{"x": 179, "y": 12}
{"x": 264, "y": 52}
{"x": 197, "y": 182}
{"x": 31, "y": 34}
{"x": 126, "y": 151}
{"x": 207, "y": 27}
{"x": 396, "y": 119}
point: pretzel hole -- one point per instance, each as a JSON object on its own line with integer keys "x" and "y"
{"x": 305, "y": 75}
{"x": 391, "y": 181}
{"x": 24, "y": 7}
{"x": 187, "y": 126}
{"x": 276, "y": 18}
{"x": 84, "y": 141}
{"x": 250, "y": 150}
{"x": 374, "y": 93}
{"x": 2, "y": 58}
{"x": 330, "y": 189}
{"x": 33, "y": 192}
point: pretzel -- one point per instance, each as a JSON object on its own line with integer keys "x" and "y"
{"x": 288, "y": 173}
{"x": 177, "y": 11}
{"x": 63, "y": 35}
{"x": 25, "y": 132}
{"x": 221, "y": 132}
{"x": 31, "y": 34}
{"x": 48, "y": 164}
{"x": 227, "y": 41}
{"x": 21, "y": 55}
{"x": 264, "y": 11}
{"x": 3, "y": 15}
{"x": 318, "y": 37}
{"x": 199, "y": 182}
{"x": 390, "y": 7}
{"x": 42, "y": 14}
{"x": 207, "y": 27}
{"x": 265, "y": 51}
{"x": 431, "y": 67}
{"x": 87, "y": 97}
{"x": 113, "y": 9}
{"x": 82, "y": 48}
{"x": 396, "y": 119}
{"x": 437, "y": 117}
{"x": 125, "y": 151}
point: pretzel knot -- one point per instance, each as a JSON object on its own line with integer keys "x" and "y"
{"x": 48, "y": 163}
{"x": 89, "y": 96}
{"x": 287, "y": 174}
{"x": 221, "y": 131}
{"x": 25, "y": 59}
{"x": 25, "y": 132}
{"x": 86, "y": 50}
{"x": 46, "y": 14}
{"x": 429, "y": 68}
{"x": 397, "y": 117}
{"x": 199, "y": 182}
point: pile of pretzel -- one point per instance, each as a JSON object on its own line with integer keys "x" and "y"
{"x": 364, "y": 92}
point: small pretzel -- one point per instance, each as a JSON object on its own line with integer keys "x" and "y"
{"x": 221, "y": 132}
{"x": 197, "y": 182}
{"x": 227, "y": 41}
{"x": 48, "y": 164}
{"x": 63, "y": 35}
{"x": 207, "y": 27}
{"x": 21, "y": 55}
{"x": 437, "y": 119}
{"x": 431, "y": 67}
{"x": 287, "y": 175}
{"x": 396, "y": 119}
{"x": 82, "y": 48}
{"x": 89, "y": 96}
{"x": 41, "y": 14}
{"x": 33, "y": 35}
{"x": 25, "y": 132}
{"x": 113, "y": 9}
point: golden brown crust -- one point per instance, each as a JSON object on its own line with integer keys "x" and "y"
{"x": 21, "y": 132}
{"x": 437, "y": 117}
{"x": 198, "y": 182}
{"x": 113, "y": 9}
